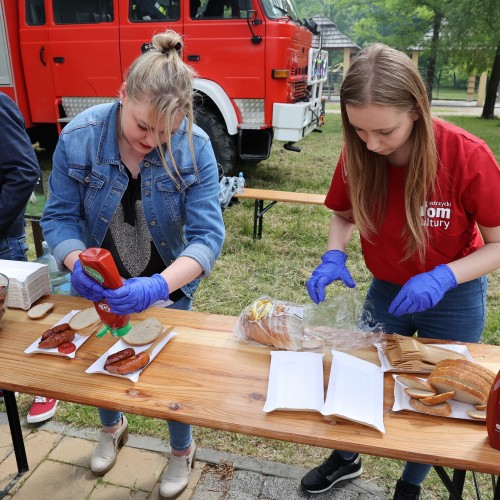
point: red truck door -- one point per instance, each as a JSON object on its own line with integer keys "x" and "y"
{"x": 37, "y": 67}
{"x": 84, "y": 48}
{"x": 218, "y": 43}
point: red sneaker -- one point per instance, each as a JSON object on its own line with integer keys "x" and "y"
{"x": 41, "y": 409}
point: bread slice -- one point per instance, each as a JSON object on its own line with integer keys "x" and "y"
{"x": 84, "y": 318}
{"x": 439, "y": 410}
{"x": 463, "y": 392}
{"x": 419, "y": 393}
{"x": 438, "y": 398}
{"x": 415, "y": 382}
{"x": 477, "y": 414}
{"x": 40, "y": 310}
{"x": 144, "y": 332}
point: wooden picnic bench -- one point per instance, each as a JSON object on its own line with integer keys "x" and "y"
{"x": 262, "y": 195}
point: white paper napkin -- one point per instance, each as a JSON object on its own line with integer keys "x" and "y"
{"x": 78, "y": 340}
{"x": 98, "y": 365}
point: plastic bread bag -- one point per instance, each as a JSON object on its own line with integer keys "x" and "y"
{"x": 341, "y": 323}
{"x": 271, "y": 322}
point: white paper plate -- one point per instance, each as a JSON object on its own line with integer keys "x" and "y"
{"x": 402, "y": 402}
{"x": 98, "y": 365}
{"x": 78, "y": 340}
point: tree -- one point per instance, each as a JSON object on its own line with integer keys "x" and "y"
{"x": 473, "y": 35}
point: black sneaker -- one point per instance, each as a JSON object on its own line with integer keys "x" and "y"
{"x": 330, "y": 472}
{"x": 406, "y": 491}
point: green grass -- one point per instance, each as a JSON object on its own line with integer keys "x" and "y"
{"x": 278, "y": 265}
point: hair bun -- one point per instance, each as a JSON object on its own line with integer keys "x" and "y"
{"x": 167, "y": 41}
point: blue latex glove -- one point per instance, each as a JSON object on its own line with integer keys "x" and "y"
{"x": 137, "y": 294}
{"x": 85, "y": 285}
{"x": 332, "y": 268}
{"x": 423, "y": 291}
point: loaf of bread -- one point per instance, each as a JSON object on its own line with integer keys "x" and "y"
{"x": 470, "y": 381}
{"x": 271, "y": 322}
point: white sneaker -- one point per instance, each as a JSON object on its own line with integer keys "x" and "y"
{"x": 176, "y": 475}
{"x": 104, "y": 456}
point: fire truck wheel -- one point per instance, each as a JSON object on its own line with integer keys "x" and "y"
{"x": 223, "y": 144}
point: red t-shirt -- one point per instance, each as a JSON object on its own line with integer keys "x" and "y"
{"x": 468, "y": 192}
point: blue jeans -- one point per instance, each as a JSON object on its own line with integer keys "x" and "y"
{"x": 180, "y": 434}
{"x": 14, "y": 248}
{"x": 459, "y": 316}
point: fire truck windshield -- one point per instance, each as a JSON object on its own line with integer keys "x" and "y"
{"x": 276, "y": 9}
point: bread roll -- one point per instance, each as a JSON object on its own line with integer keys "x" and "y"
{"x": 273, "y": 323}
{"x": 463, "y": 376}
{"x": 144, "y": 332}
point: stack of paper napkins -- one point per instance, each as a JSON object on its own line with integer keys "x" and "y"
{"x": 28, "y": 281}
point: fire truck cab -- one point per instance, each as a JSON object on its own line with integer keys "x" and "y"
{"x": 258, "y": 78}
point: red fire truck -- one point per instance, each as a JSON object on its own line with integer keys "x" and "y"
{"x": 258, "y": 79}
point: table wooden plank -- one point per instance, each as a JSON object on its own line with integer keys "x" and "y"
{"x": 206, "y": 378}
{"x": 286, "y": 196}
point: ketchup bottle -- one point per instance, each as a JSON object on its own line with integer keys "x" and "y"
{"x": 99, "y": 265}
{"x": 493, "y": 414}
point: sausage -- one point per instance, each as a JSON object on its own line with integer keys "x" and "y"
{"x": 56, "y": 339}
{"x": 129, "y": 365}
{"x": 56, "y": 329}
{"x": 119, "y": 356}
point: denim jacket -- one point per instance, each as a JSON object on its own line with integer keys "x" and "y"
{"x": 88, "y": 181}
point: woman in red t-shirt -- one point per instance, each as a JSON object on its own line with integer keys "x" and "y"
{"x": 424, "y": 195}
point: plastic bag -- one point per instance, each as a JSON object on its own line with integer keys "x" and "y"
{"x": 341, "y": 323}
{"x": 228, "y": 186}
{"x": 271, "y": 322}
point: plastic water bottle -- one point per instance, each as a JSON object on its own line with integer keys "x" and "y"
{"x": 240, "y": 185}
{"x": 60, "y": 282}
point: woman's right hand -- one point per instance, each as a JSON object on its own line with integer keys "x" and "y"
{"x": 332, "y": 268}
{"x": 86, "y": 286}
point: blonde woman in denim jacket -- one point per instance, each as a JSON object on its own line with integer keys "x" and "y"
{"x": 138, "y": 178}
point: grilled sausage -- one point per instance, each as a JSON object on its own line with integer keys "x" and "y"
{"x": 119, "y": 356}
{"x": 56, "y": 339}
{"x": 55, "y": 329}
{"x": 129, "y": 365}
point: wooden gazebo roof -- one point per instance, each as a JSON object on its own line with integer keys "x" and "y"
{"x": 332, "y": 38}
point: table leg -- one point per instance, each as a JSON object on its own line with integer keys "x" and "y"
{"x": 454, "y": 487}
{"x": 255, "y": 218}
{"x": 497, "y": 488}
{"x": 15, "y": 431}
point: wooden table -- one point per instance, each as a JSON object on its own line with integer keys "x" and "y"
{"x": 206, "y": 378}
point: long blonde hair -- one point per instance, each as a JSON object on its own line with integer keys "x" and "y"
{"x": 160, "y": 79}
{"x": 384, "y": 76}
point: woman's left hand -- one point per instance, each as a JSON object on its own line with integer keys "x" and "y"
{"x": 423, "y": 291}
{"x": 137, "y": 294}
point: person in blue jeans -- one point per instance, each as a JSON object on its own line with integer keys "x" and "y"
{"x": 19, "y": 173}
{"x": 138, "y": 178}
{"x": 424, "y": 196}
